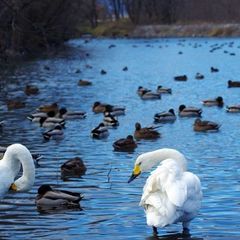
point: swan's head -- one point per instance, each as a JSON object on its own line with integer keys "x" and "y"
{"x": 146, "y": 161}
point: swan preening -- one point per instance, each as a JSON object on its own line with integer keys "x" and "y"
{"x": 171, "y": 193}
{"x": 15, "y": 156}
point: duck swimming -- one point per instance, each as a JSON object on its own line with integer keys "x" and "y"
{"x": 146, "y": 132}
{"x": 205, "y": 126}
{"x": 110, "y": 120}
{"x": 214, "y": 102}
{"x": 233, "y": 109}
{"x": 101, "y": 131}
{"x": 165, "y": 116}
{"x": 48, "y": 197}
{"x": 233, "y": 83}
{"x": 171, "y": 193}
{"x": 50, "y": 122}
{"x": 65, "y": 114}
{"x": 149, "y": 95}
{"x": 161, "y": 89}
{"x": 189, "y": 111}
{"x": 125, "y": 144}
{"x": 56, "y": 133}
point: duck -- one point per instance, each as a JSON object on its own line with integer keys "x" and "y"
{"x": 115, "y": 110}
{"x": 125, "y": 144}
{"x": 15, "y": 104}
{"x": 35, "y": 117}
{"x": 110, "y": 120}
{"x": 161, "y": 89}
{"x": 189, "y": 111}
{"x": 199, "y": 76}
{"x": 213, "y": 69}
{"x": 99, "y": 107}
{"x": 82, "y": 82}
{"x": 141, "y": 89}
{"x": 31, "y": 90}
{"x": 48, "y": 197}
{"x": 15, "y": 156}
{"x": 149, "y": 95}
{"x": 165, "y": 116}
{"x": 101, "y": 131}
{"x": 233, "y": 83}
{"x": 103, "y": 72}
{"x": 181, "y": 78}
{"x": 56, "y": 133}
{"x": 214, "y": 102}
{"x": 73, "y": 167}
{"x": 171, "y": 193}
{"x": 125, "y": 69}
{"x": 65, "y": 114}
{"x": 205, "y": 126}
{"x": 50, "y": 122}
{"x": 146, "y": 132}
{"x": 233, "y": 109}
{"x": 47, "y": 108}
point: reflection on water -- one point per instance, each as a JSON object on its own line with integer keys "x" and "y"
{"x": 110, "y": 205}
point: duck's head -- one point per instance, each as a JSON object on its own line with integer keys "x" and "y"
{"x": 44, "y": 188}
{"x": 197, "y": 121}
{"x": 130, "y": 137}
{"x": 219, "y": 100}
{"x": 96, "y": 104}
{"x": 181, "y": 107}
{"x": 62, "y": 110}
{"x": 172, "y": 111}
{"x": 137, "y": 126}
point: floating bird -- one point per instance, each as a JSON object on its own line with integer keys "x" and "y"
{"x": 199, "y": 76}
{"x": 56, "y": 133}
{"x": 82, "y": 82}
{"x": 50, "y": 122}
{"x": 165, "y": 116}
{"x": 233, "y": 109}
{"x": 110, "y": 120}
{"x": 214, "y": 69}
{"x": 73, "y": 168}
{"x": 48, "y": 197}
{"x": 125, "y": 144}
{"x": 189, "y": 111}
{"x": 125, "y": 69}
{"x": 15, "y": 156}
{"x": 146, "y": 132}
{"x": 149, "y": 95}
{"x": 205, "y": 126}
{"x": 35, "y": 117}
{"x": 65, "y": 114}
{"x": 161, "y": 89}
{"x": 233, "y": 83}
{"x": 101, "y": 131}
{"x": 115, "y": 110}
{"x": 214, "y": 102}
{"x": 141, "y": 89}
{"x": 48, "y": 108}
{"x": 15, "y": 104}
{"x": 31, "y": 90}
{"x": 171, "y": 193}
{"x": 99, "y": 107}
{"x": 181, "y": 78}
{"x": 103, "y": 72}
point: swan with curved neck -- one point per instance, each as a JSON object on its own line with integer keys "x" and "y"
{"x": 171, "y": 193}
{"x": 15, "y": 156}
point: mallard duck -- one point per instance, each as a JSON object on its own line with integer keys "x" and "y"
{"x": 115, "y": 110}
{"x": 149, "y": 95}
{"x": 125, "y": 144}
{"x": 171, "y": 193}
{"x": 233, "y": 109}
{"x": 31, "y": 90}
{"x": 141, "y": 89}
{"x": 15, "y": 104}
{"x": 101, "y": 131}
{"x": 199, "y": 76}
{"x": 125, "y": 69}
{"x": 161, "y": 89}
{"x": 233, "y": 83}
{"x": 15, "y": 156}
{"x": 65, "y": 114}
{"x": 48, "y": 108}
{"x": 82, "y": 82}
{"x": 213, "y": 69}
{"x": 55, "y": 133}
{"x": 204, "y": 126}
{"x": 165, "y": 116}
{"x": 181, "y": 78}
{"x": 73, "y": 167}
{"x": 35, "y": 117}
{"x": 214, "y": 102}
{"x": 146, "y": 132}
{"x": 99, "y": 107}
{"x": 48, "y": 197}
{"x": 49, "y": 122}
{"x": 189, "y": 111}
{"x": 103, "y": 72}
{"x": 110, "y": 120}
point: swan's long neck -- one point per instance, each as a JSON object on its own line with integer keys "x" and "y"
{"x": 151, "y": 159}
{"x": 15, "y": 155}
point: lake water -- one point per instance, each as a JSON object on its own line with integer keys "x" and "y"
{"x": 110, "y": 207}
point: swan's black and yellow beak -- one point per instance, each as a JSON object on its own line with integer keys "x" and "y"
{"x": 13, "y": 187}
{"x": 136, "y": 172}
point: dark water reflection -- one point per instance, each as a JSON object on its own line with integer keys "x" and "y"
{"x": 110, "y": 206}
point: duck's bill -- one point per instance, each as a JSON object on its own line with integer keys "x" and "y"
{"x": 133, "y": 176}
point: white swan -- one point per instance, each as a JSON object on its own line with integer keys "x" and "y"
{"x": 15, "y": 155}
{"x": 171, "y": 194}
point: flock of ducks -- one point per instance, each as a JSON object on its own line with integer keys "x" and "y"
{"x": 164, "y": 198}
